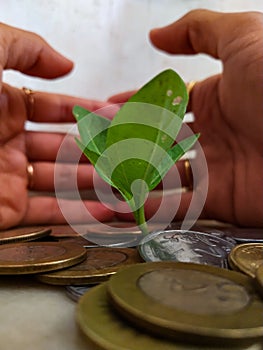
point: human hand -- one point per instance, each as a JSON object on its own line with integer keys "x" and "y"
{"x": 28, "y": 53}
{"x": 228, "y": 112}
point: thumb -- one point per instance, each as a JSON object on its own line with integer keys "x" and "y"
{"x": 204, "y": 31}
{"x": 30, "y": 54}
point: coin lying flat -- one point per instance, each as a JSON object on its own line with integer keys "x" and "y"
{"x": 116, "y": 234}
{"x": 204, "y": 304}
{"x": 185, "y": 246}
{"x": 239, "y": 234}
{"x": 23, "y": 234}
{"x": 245, "y": 235}
{"x": 246, "y": 258}
{"x": 99, "y": 265}
{"x": 35, "y": 257}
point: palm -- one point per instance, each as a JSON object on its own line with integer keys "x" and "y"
{"x": 231, "y": 142}
{"x": 13, "y": 175}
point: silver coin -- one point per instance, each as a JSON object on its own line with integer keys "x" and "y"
{"x": 221, "y": 232}
{"x": 186, "y": 246}
{"x": 76, "y": 292}
{"x": 245, "y": 235}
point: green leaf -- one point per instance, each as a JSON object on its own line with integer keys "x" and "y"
{"x": 93, "y": 158}
{"x": 155, "y": 112}
{"x": 172, "y": 156}
{"x": 92, "y": 129}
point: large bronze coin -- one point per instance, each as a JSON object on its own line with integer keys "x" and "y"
{"x": 99, "y": 265}
{"x": 35, "y": 257}
{"x": 20, "y": 234}
{"x": 203, "y": 304}
{"x": 259, "y": 279}
{"x": 106, "y": 330}
{"x": 246, "y": 258}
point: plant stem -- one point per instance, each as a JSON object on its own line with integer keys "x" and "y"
{"x": 140, "y": 219}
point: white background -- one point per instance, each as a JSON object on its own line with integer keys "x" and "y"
{"x": 108, "y": 41}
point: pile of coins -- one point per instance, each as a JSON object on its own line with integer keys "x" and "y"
{"x": 60, "y": 262}
{"x": 21, "y": 252}
{"x": 171, "y": 289}
{"x": 184, "y": 296}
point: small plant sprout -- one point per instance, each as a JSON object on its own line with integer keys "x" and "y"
{"x": 135, "y": 150}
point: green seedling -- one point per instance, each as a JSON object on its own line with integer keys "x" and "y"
{"x": 135, "y": 150}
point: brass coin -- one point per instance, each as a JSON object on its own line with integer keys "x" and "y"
{"x": 106, "y": 330}
{"x": 246, "y": 258}
{"x": 22, "y": 234}
{"x": 66, "y": 231}
{"x": 99, "y": 265}
{"x": 35, "y": 257}
{"x": 259, "y": 279}
{"x": 203, "y": 304}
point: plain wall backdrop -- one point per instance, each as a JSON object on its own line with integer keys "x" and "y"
{"x": 108, "y": 41}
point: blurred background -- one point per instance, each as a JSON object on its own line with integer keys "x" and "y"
{"x": 108, "y": 41}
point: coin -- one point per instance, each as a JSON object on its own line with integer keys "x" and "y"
{"x": 23, "y": 234}
{"x": 259, "y": 278}
{"x": 104, "y": 329}
{"x": 245, "y": 235}
{"x": 185, "y": 246}
{"x": 76, "y": 292}
{"x": 99, "y": 265}
{"x": 116, "y": 234}
{"x": 67, "y": 231}
{"x": 35, "y": 257}
{"x": 204, "y": 227}
{"x": 246, "y": 258}
{"x": 203, "y": 304}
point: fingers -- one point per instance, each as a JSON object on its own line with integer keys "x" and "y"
{"x": 42, "y": 146}
{"x": 30, "y": 54}
{"x": 67, "y": 176}
{"x": 203, "y": 31}
{"x": 48, "y": 210}
{"x": 56, "y": 108}
{"x": 121, "y": 97}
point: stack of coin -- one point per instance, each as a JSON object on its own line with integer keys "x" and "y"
{"x": 100, "y": 263}
{"x": 172, "y": 305}
{"x": 62, "y": 259}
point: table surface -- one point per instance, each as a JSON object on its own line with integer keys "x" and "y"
{"x": 34, "y": 316}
